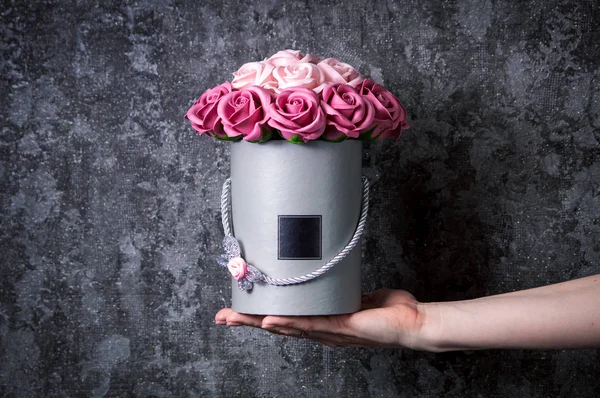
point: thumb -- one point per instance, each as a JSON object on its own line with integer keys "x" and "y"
{"x": 384, "y": 298}
{"x": 374, "y": 299}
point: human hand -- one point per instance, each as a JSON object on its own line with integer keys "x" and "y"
{"x": 388, "y": 318}
{"x": 564, "y": 315}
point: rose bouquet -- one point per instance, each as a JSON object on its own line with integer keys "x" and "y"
{"x": 299, "y": 98}
{"x": 313, "y": 221}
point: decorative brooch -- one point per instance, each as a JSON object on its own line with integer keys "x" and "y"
{"x": 244, "y": 273}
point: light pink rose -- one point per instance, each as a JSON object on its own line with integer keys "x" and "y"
{"x": 339, "y": 72}
{"x": 300, "y": 74}
{"x": 237, "y": 267}
{"x": 284, "y": 58}
{"x": 296, "y": 113}
{"x": 313, "y": 59}
{"x": 203, "y": 114}
{"x": 244, "y": 113}
{"x": 254, "y": 73}
{"x": 348, "y": 113}
{"x": 289, "y": 57}
{"x": 390, "y": 114}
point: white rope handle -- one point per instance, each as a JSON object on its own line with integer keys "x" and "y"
{"x": 225, "y": 218}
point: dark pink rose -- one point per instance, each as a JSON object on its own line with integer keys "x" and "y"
{"x": 244, "y": 113}
{"x": 394, "y": 134}
{"x": 297, "y": 114}
{"x": 203, "y": 114}
{"x": 390, "y": 114}
{"x": 348, "y": 113}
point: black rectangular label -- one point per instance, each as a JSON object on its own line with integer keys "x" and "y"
{"x": 299, "y": 238}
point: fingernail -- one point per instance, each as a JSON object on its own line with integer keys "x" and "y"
{"x": 234, "y": 324}
{"x": 267, "y": 326}
{"x": 220, "y": 322}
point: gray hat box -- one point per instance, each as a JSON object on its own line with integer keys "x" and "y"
{"x": 294, "y": 207}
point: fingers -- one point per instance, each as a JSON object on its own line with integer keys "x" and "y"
{"x": 221, "y": 317}
{"x": 228, "y": 317}
{"x": 326, "y": 330}
{"x": 327, "y": 339}
{"x": 231, "y": 318}
{"x": 329, "y": 324}
{"x": 323, "y": 323}
{"x": 287, "y": 331}
{"x": 319, "y": 328}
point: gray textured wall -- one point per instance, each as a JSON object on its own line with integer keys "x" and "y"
{"x": 109, "y": 214}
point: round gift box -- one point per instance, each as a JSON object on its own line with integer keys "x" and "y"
{"x": 295, "y": 207}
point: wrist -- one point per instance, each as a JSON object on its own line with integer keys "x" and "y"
{"x": 429, "y": 335}
{"x": 457, "y": 325}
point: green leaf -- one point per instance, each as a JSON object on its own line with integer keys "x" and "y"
{"x": 368, "y": 136}
{"x": 227, "y": 138}
{"x": 344, "y": 137}
{"x": 266, "y": 135}
{"x": 296, "y": 139}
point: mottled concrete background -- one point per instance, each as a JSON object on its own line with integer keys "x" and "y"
{"x": 109, "y": 201}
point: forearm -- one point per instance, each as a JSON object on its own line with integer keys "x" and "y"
{"x": 566, "y": 315}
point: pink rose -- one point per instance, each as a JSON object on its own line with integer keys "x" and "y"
{"x": 339, "y": 72}
{"x": 389, "y": 112}
{"x": 254, "y": 73}
{"x": 300, "y": 74}
{"x": 237, "y": 267}
{"x": 313, "y": 59}
{"x": 284, "y": 58}
{"x": 244, "y": 113}
{"x": 289, "y": 57}
{"x": 349, "y": 114}
{"x": 203, "y": 114}
{"x": 394, "y": 134}
{"x": 296, "y": 113}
